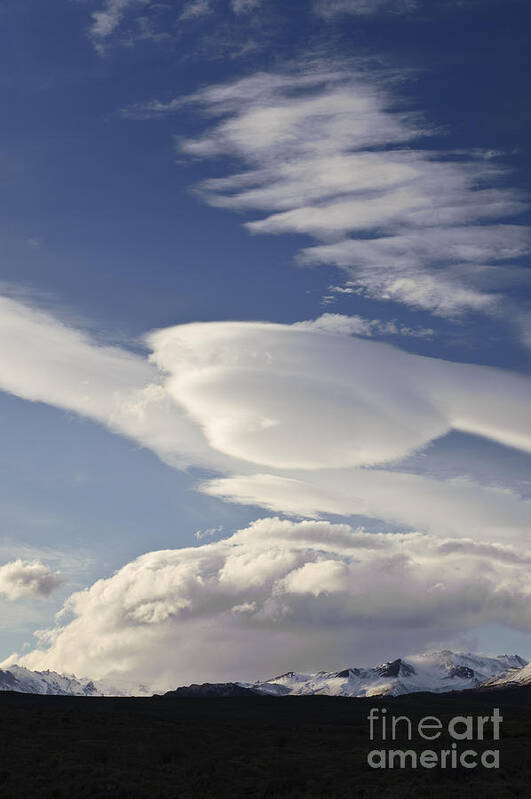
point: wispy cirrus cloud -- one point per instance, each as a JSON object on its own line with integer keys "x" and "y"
{"x": 334, "y": 8}
{"x": 359, "y": 326}
{"x": 245, "y": 6}
{"x": 462, "y": 252}
{"x": 109, "y": 17}
{"x": 195, "y": 9}
{"x": 327, "y": 153}
{"x": 131, "y": 21}
{"x": 330, "y": 9}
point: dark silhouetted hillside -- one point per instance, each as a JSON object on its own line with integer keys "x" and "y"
{"x": 250, "y": 746}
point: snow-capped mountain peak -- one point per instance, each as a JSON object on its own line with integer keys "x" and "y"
{"x": 25, "y": 681}
{"x": 517, "y": 676}
{"x": 435, "y": 672}
{"x": 432, "y": 671}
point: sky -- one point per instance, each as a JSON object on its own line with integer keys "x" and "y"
{"x": 265, "y": 327}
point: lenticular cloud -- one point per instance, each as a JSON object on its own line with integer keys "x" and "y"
{"x": 293, "y": 398}
{"x": 290, "y": 399}
{"x": 294, "y": 418}
{"x": 301, "y": 421}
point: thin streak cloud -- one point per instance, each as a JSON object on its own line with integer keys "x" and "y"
{"x": 329, "y": 154}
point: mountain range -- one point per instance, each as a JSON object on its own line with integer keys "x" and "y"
{"x": 513, "y": 677}
{"x": 436, "y": 672}
{"x": 25, "y": 681}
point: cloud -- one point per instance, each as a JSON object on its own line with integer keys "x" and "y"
{"x": 457, "y": 507}
{"x": 108, "y": 19}
{"x": 155, "y": 108}
{"x": 334, "y": 8}
{"x": 524, "y": 321}
{"x": 28, "y": 579}
{"x": 243, "y": 384}
{"x": 44, "y": 360}
{"x": 392, "y": 267}
{"x": 328, "y": 153}
{"x": 365, "y": 402}
{"x": 278, "y": 594}
{"x": 329, "y": 9}
{"x": 359, "y": 326}
{"x": 208, "y": 533}
{"x": 195, "y": 9}
{"x": 287, "y": 417}
{"x": 245, "y": 6}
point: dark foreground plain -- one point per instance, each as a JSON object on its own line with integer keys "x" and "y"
{"x": 189, "y": 748}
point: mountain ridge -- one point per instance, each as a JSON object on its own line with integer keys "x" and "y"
{"x": 435, "y": 672}
{"x": 22, "y": 680}
{"x": 514, "y": 677}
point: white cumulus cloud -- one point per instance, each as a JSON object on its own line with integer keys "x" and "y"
{"x": 276, "y": 596}
{"x": 28, "y": 579}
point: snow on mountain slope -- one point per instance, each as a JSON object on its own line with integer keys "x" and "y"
{"x": 512, "y": 677}
{"x": 25, "y": 681}
{"x": 434, "y": 671}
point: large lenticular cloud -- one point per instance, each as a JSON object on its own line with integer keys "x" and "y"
{"x": 291, "y": 398}
{"x": 290, "y": 418}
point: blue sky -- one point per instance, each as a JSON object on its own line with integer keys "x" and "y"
{"x": 357, "y": 166}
